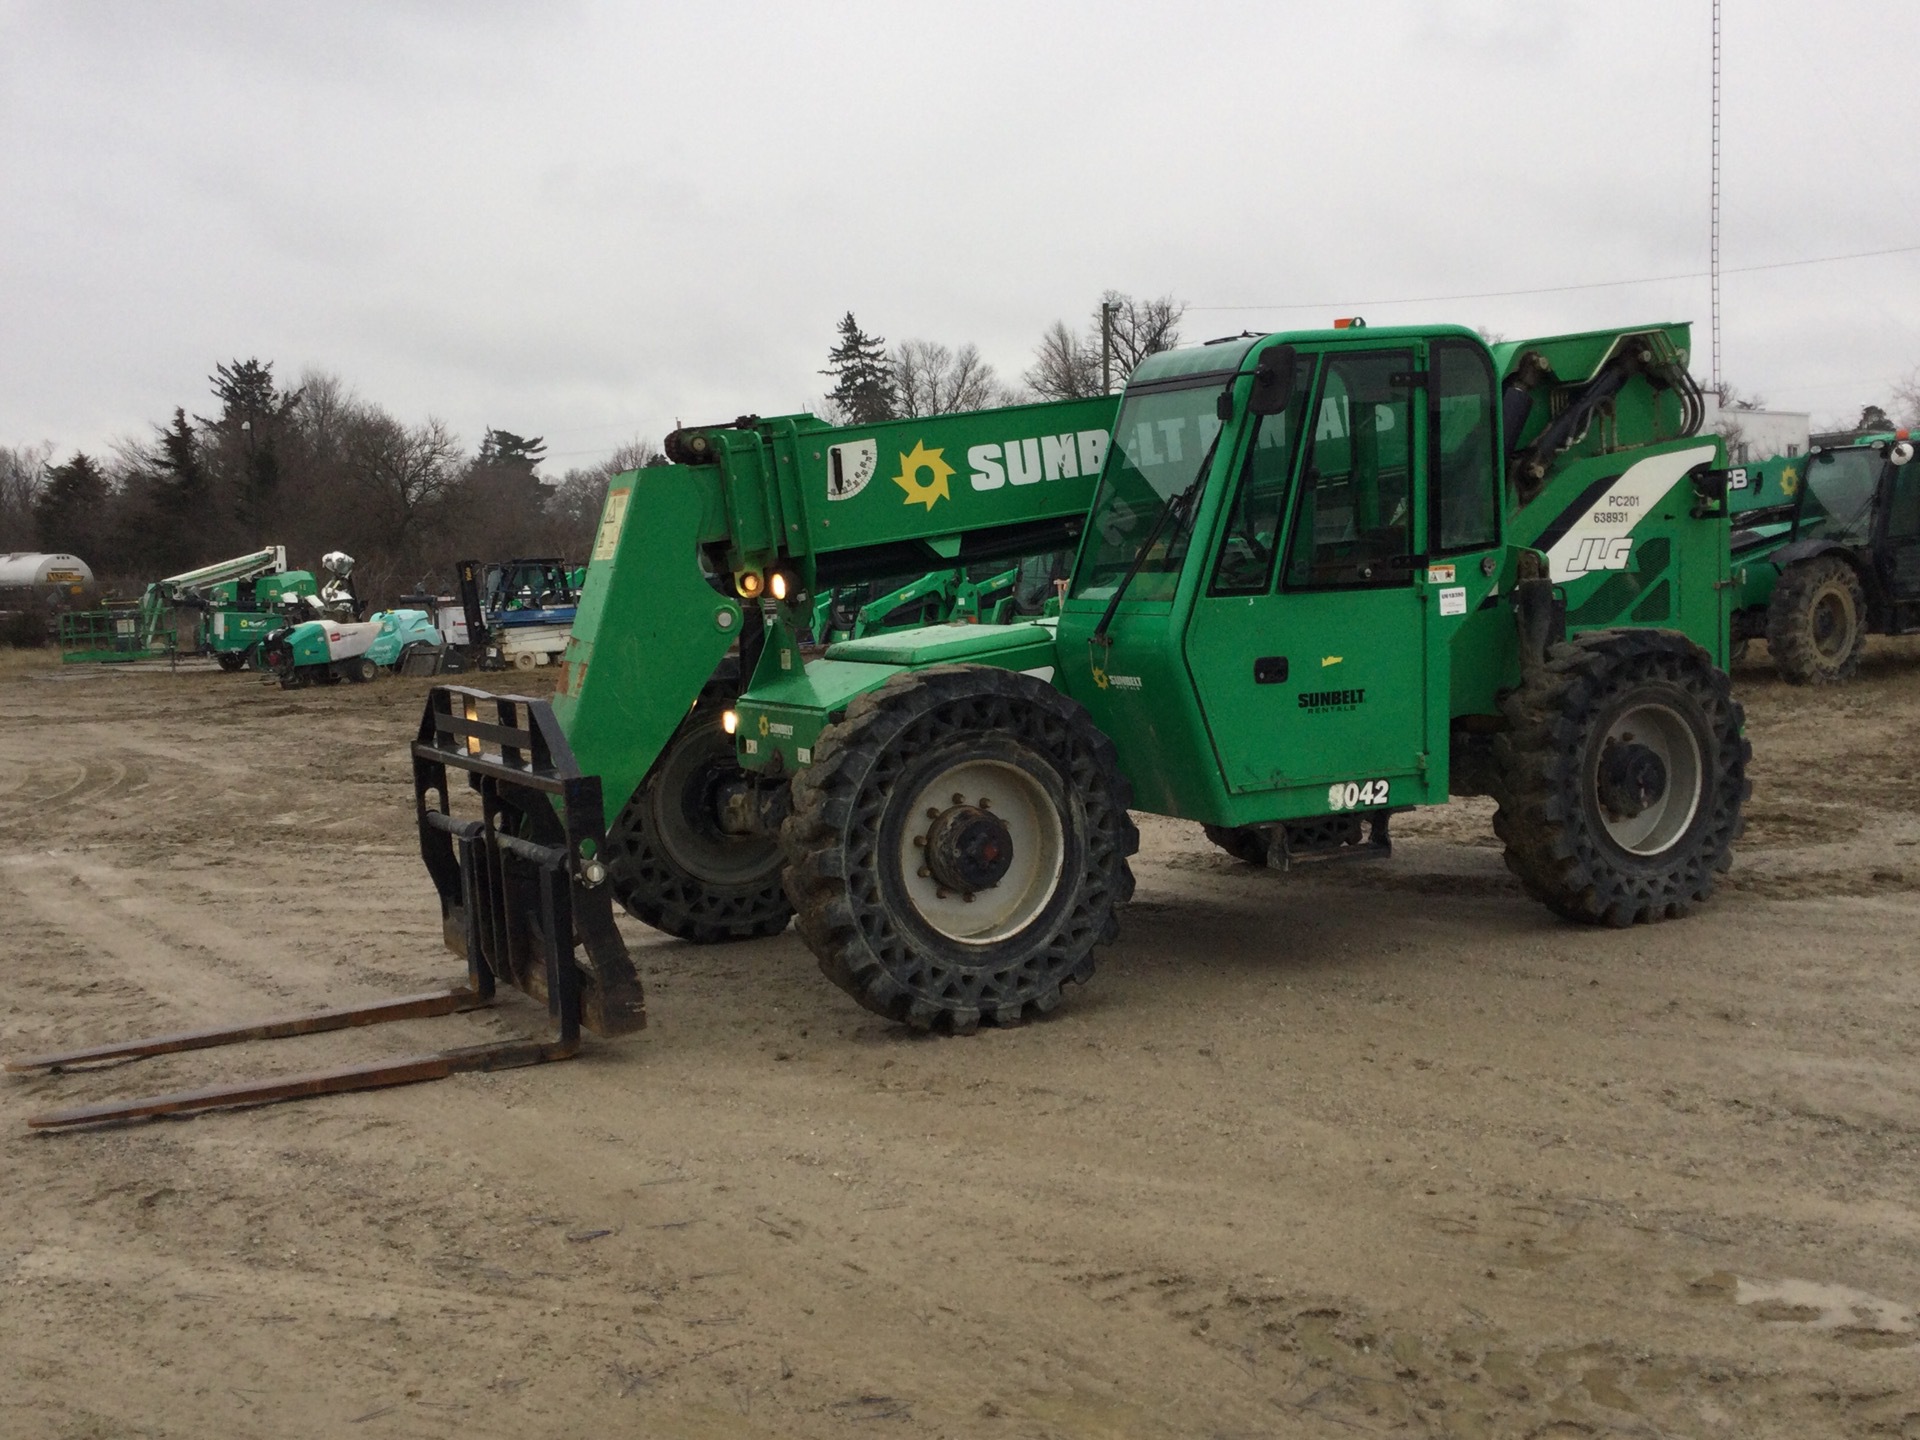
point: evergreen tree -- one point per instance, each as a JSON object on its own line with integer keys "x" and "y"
{"x": 245, "y": 438}
{"x": 70, "y": 511}
{"x": 510, "y": 451}
{"x": 183, "y": 514}
{"x": 863, "y": 381}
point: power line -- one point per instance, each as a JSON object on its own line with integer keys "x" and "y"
{"x": 1585, "y": 285}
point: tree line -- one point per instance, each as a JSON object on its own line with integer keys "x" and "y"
{"x": 316, "y": 467}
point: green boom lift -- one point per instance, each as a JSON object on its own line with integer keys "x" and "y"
{"x": 1321, "y": 578}
{"x": 235, "y": 598}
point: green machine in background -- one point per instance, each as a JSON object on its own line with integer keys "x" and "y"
{"x": 234, "y": 599}
{"x": 1320, "y": 578}
{"x": 1826, "y": 550}
{"x": 944, "y": 597}
{"x": 238, "y": 614}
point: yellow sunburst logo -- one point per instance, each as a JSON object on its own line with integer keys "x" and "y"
{"x": 1789, "y": 481}
{"x": 934, "y": 487}
{"x": 1100, "y": 677}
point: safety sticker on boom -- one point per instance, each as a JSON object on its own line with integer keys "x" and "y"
{"x": 850, "y": 466}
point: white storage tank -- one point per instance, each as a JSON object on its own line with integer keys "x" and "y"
{"x": 22, "y": 570}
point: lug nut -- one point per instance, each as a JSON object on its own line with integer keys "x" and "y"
{"x": 921, "y": 841}
{"x": 958, "y": 798}
{"x": 925, "y": 873}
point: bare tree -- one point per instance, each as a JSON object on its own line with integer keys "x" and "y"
{"x": 1063, "y": 368}
{"x": 1139, "y": 328}
{"x": 1906, "y": 398}
{"x": 405, "y": 473}
{"x": 931, "y": 379}
{"x": 1122, "y": 333}
{"x": 23, "y": 471}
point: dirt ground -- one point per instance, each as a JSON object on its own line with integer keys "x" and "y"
{"x": 1373, "y": 1150}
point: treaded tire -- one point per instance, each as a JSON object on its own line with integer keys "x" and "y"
{"x": 1551, "y": 816}
{"x": 1245, "y": 843}
{"x": 231, "y": 660}
{"x": 657, "y": 877}
{"x": 854, "y": 901}
{"x": 1817, "y": 622}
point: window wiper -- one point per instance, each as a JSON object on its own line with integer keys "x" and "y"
{"x": 1178, "y": 503}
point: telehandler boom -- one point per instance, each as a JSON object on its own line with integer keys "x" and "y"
{"x": 1321, "y": 578}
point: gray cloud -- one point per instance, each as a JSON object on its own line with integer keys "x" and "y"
{"x": 590, "y": 220}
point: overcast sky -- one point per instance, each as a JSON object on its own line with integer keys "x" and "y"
{"x": 585, "y": 220}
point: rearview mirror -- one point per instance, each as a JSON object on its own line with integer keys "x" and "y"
{"x": 1273, "y": 381}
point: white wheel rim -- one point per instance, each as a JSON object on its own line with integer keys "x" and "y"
{"x": 1666, "y": 733}
{"x": 1039, "y": 851}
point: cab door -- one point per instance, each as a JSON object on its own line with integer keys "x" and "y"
{"x": 1308, "y": 649}
{"x": 1902, "y": 543}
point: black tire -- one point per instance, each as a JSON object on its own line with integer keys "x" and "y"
{"x": 360, "y": 669}
{"x": 1817, "y": 622}
{"x": 1245, "y": 843}
{"x": 672, "y": 866}
{"x": 231, "y": 661}
{"x": 895, "y": 936}
{"x": 1619, "y": 719}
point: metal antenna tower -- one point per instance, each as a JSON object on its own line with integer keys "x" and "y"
{"x": 1713, "y": 246}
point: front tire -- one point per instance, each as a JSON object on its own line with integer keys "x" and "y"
{"x": 231, "y": 661}
{"x": 672, "y": 866}
{"x": 360, "y": 670}
{"x": 1817, "y": 622}
{"x": 958, "y": 847}
{"x": 1622, "y": 777}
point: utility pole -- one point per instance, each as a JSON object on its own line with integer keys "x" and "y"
{"x": 1109, "y": 309}
{"x": 1713, "y": 245}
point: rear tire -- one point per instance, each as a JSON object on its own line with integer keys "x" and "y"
{"x": 958, "y": 847}
{"x": 1817, "y": 622}
{"x": 231, "y": 661}
{"x": 360, "y": 670}
{"x": 672, "y": 866}
{"x": 1622, "y": 777}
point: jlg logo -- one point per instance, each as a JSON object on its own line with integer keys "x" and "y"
{"x": 1600, "y": 552}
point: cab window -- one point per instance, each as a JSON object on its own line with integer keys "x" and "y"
{"x": 1353, "y": 517}
{"x": 1252, "y": 537}
{"x": 1465, "y": 474}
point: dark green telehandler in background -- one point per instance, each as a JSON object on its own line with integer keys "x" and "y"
{"x": 1826, "y": 550}
{"x": 1321, "y": 578}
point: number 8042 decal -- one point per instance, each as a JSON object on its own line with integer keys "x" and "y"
{"x": 1352, "y": 796}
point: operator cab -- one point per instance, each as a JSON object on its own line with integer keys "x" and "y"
{"x": 1274, "y": 526}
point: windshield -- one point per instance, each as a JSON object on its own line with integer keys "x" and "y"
{"x": 1840, "y": 489}
{"x": 1160, "y": 441}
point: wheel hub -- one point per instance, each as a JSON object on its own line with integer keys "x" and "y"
{"x": 1632, "y": 778}
{"x": 982, "y": 851}
{"x": 969, "y": 848}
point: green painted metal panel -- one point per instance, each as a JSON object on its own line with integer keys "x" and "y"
{"x": 949, "y": 645}
{"x": 650, "y": 628}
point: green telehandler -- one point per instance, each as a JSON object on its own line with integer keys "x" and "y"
{"x": 1826, "y": 550}
{"x": 1321, "y": 578}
